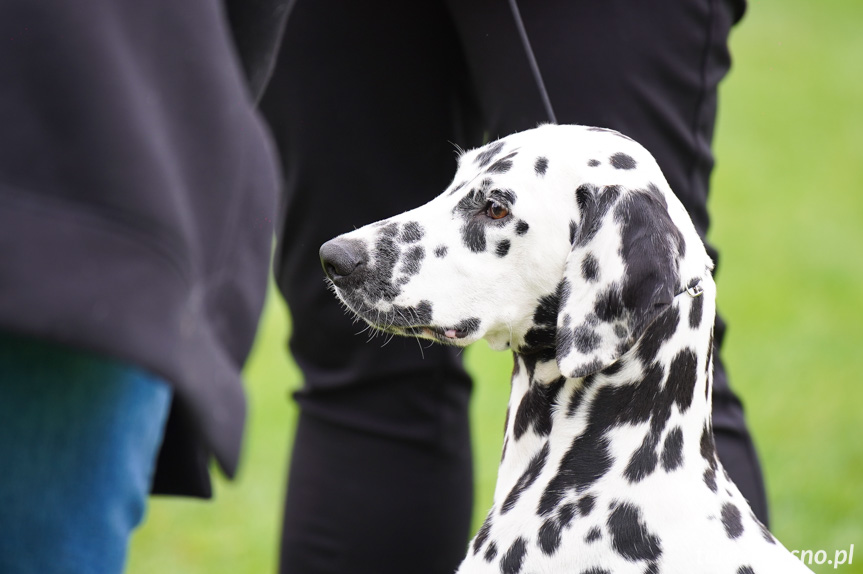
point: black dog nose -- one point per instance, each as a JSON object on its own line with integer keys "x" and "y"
{"x": 341, "y": 258}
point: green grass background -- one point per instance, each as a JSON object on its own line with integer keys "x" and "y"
{"x": 787, "y": 207}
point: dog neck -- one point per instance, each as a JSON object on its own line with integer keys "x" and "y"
{"x": 644, "y": 419}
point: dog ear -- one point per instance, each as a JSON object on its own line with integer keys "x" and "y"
{"x": 620, "y": 275}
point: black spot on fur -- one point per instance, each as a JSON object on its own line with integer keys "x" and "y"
{"x": 457, "y": 188}
{"x": 672, "y": 450}
{"x": 535, "y": 408}
{"x": 502, "y": 248}
{"x": 593, "y": 535}
{"x": 470, "y": 203}
{"x": 390, "y": 230}
{"x": 710, "y": 479}
{"x": 745, "y": 570}
{"x": 596, "y": 570}
{"x": 657, "y": 334}
{"x": 590, "y": 268}
{"x": 629, "y": 535}
{"x": 585, "y": 339}
{"x": 483, "y": 532}
{"x": 540, "y": 166}
{"x": 609, "y": 306}
{"x": 514, "y": 558}
{"x": 708, "y": 448}
{"x": 548, "y": 537}
{"x": 681, "y": 378}
{"x": 502, "y": 165}
{"x": 696, "y": 312}
{"x": 731, "y": 520}
{"x": 543, "y": 335}
{"x": 473, "y": 236}
{"x": 709, "y": 361}
{"x": 765, "y": 533}
{"x": 440, "y": 251}
{"x": 521, "y": 227}
{"x": 412, "y": 261}
{"x": 594, "y": 163}
{"x": 652, "y": 568}
{"x": 643, "y": 461}
{"x": 575, "y": 400}
{"x": 411, "y": 232}
{"x": 534, "y": 468}
{"x": 586, "y": 504}
{"x": 410, "y": 316}
{"x": 490, "y": 552}
{"x": 467, "y": 326}
{"x": 587, "y": 460}
{"x": 566, "y": 514}
{"x": 573, "y": 228}
{"x": 622, "y": 161}
{"x": 593, "y": 205}
{"x": 484, "y": 157}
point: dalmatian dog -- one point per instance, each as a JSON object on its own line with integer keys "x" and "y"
{"x": 565, "y": 245}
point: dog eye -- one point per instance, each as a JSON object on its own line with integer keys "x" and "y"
{"x": 495, "y": 210}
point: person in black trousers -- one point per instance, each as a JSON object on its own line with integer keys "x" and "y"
{"x": 366, "y": 104}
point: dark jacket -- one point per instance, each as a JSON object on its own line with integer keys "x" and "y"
{"x": 137, "y": 185}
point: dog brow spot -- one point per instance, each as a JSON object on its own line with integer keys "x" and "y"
{"x": 622, "y": 161}
{"x": 484, "y": 157}
{"x": 541, "y": 166}
{"x": 521, "y": 227}
{"x": 502, "y": 165}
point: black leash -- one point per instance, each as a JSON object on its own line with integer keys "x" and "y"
{"x": 534, "y": 67}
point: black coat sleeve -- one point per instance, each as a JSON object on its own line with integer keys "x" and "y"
{"x": 137, "y": 185}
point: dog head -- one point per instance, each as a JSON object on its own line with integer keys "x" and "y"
{"x": 562, "y": 240}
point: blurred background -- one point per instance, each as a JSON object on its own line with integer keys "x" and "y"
{"x": 787, "y": 208}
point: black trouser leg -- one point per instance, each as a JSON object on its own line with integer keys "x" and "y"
{"x": 364, "y": 104}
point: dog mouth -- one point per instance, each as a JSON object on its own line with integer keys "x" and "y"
{"x": 453, "y": 334}
{"x": 438, "y": 333}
